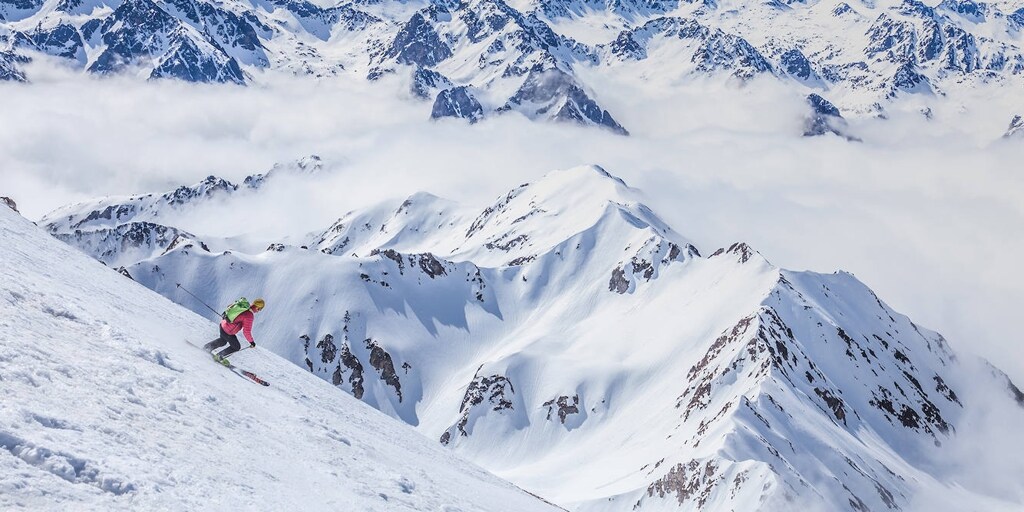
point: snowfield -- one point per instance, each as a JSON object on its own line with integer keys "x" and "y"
{"x": 106, "y": 407}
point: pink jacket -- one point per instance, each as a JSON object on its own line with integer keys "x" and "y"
{"x": 243, "y": 322}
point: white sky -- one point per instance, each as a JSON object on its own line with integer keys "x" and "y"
{"x": 928, "y": 214}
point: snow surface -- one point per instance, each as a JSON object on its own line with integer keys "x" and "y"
{"x": 106, "y": 407}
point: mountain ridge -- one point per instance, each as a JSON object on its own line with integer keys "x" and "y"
{"x": 520, "y": 57}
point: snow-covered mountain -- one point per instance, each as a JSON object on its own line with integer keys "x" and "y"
{"x": 525, "y": 55}
{"x": 123, "y": 230}
{"x": 566, "y": 338}
{"x": 106, "y": 407}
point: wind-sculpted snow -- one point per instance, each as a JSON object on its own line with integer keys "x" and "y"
{"x": 106, "y": 407}
{"x": 568, "y": 339}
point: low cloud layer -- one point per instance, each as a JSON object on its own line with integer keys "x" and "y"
{"x": 927, "y": 213}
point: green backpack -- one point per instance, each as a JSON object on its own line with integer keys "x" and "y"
{"x": 241, "y": 305}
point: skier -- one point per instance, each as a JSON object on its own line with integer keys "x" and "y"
{"x": 231, "y": 323}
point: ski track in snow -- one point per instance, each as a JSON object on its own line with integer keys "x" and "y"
{"x": 107, "y": 408}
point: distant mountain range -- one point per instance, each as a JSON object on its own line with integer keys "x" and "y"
{"x": 569, "y": 340}
{"x": 480, "y": 58}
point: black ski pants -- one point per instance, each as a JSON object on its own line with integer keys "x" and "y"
{"x": 225, "y": 339}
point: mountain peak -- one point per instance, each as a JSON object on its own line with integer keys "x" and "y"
{"x": 536, "y": 217}
{"x": 741, "y": 252}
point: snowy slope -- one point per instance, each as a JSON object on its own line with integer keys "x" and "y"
{"x": 107, "y": 408}
{"x": 565, "y": 338}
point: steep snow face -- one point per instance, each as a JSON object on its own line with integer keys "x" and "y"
{"x": 106, "y": 407}
{"x": 566, "y": 338}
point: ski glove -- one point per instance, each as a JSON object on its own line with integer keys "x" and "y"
{"x": 252, "y": 344}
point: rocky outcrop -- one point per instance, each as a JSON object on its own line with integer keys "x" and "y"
{"x": 381, "y": 361}
{"x": 825, "y": 118}
{"x": 647, "y": 263}
{"x": 1016, "y": 128}
{"x": 139, "y": 32}
{"x": 9, "y": 70}
{"x": 555, "y": 95}
{"x": 457, "y": 102}
{"x": 417, "y": 44}
{"x": 485, "y": 393}
{"x": 9, "y": 203}
{"x": 563, "y": 407}
{"x": 426, "y": 81}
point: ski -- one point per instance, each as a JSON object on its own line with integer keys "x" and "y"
{"x": 245, "y": 374}
{"x": 249, "y": 375}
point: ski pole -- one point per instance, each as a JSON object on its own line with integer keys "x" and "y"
{"x": 237, "y": 351}
{"x": 197, "y": 298}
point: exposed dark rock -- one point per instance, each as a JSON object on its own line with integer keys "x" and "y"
{"x": 891, "y": 40}
{"x": 305, "y": 350}
{"x": 975, "y": 11}
{"x": 62, "y": 40}
{"x": 554, "y": 94}
{"x": 429, "y": 265}
{"x": 418, "y": 44}
{"x": 9, "y": 203}
{"x": 721, "y": 51}
{"x": 380, "y": 360}
{"x": 825, "y": 118}
{"x": 628, "y": 9}
{"x": 701, "y": 375}
{"x": 356, "y": 378}
{"x": 328, "y": 351}
{"x": 843, "y": 9}
{"x": 187, "y": 61}
{"x": 124, "y": 272}
{"x": 564, "y": 408}
{"x": 618, "y": 283}
{"x": 1016, "y": 129}
{"x": 741, "y": 250}
{"x": 795, "y": 64}
{"x": 945, "y": 390}
{"x": 693, "y": 482}
{"x": 1017, "y": 18}
{"x": 507, "y": 242}
{"x": 8, "y": 68}
{"x": 140, "y": 30}
{"x": 392, "y": 255}
{"x": 496, "y": 390}
{"x": 716, "y": 50}
{"x": 457, "y": 102}
{"x": 834, "y": 402}
{"x": 425, "y": 81}
{"x": 16, "y": 10}
{"x": 908, "y": 78}
{"x": 1015, "y": 392}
